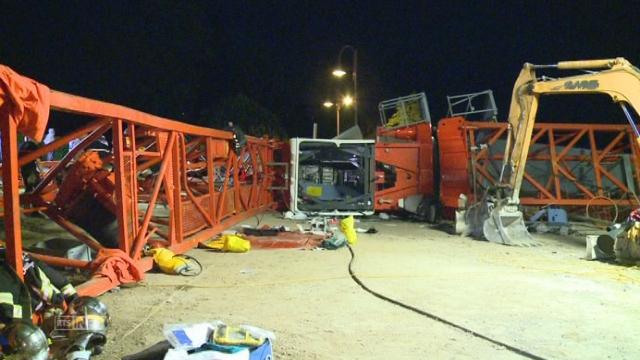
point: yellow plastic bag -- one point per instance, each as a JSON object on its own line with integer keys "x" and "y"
{"x": 347, "y": 225}
{"x": 229, "y": 243}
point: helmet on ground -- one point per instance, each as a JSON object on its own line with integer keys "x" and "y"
{"x": 27, "y": 341}
{"x": 88, "y": 314}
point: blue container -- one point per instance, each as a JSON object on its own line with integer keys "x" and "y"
{"x": 262, "y": 352}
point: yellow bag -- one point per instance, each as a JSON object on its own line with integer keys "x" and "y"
{"x": 349, "y": 230}
{"x": 230, "y": 243}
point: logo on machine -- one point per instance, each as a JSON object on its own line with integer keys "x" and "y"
{"x": 581, "y": 85}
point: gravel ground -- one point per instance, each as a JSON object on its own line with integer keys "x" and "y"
{"x": 545, "y": 300}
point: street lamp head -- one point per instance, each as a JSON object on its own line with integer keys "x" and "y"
{"x": 327, "y": 104}
{"x": 347, "y": 100}
{"x": 338, "y": 72}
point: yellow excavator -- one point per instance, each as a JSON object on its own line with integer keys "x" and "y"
{"x": 497, "y": 217}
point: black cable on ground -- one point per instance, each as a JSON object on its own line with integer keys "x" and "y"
{"x": 431, "y": 316}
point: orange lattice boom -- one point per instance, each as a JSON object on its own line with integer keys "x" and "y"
{"x": 160, "y": 182}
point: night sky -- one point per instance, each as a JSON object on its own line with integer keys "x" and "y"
{"x": 177, "y": 58}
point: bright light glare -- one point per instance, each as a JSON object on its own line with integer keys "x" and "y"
{"x": 347, "y": 100}
{"x": 327, "y": 104}
{"x": 339, "y": 72}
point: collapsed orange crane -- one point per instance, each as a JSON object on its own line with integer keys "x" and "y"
{"x": 582, "y": 165}
{"x": 164, "y": 183}
{"x": 405, "y": 159}
{"x": 579, "y": 171}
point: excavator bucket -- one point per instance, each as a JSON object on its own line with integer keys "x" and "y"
{"x": 505, "y": 225}
{"x": 496, "y": 222}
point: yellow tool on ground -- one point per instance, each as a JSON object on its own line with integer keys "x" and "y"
{"x": 231, "y": 335}
{"x": 170, "y": 263}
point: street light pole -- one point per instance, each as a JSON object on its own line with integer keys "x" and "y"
{"x": 355, "y": 86}
{"x": 354, "y": 75}
{"x": 337, "y": 118}
{"x": 346, "y": 101}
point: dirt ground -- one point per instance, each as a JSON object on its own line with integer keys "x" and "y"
{"x": 545, "y": 300}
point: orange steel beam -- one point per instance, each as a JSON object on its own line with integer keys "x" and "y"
{"x": 596, "y": 162}
{"x": 138, "y": 241}
{"x": 84, "y": 106}
{"x": 541, "y": 188}
{"x": 555, "y": 174}
{"x": 10, "y": 191}
{"x": 123, "y": 213}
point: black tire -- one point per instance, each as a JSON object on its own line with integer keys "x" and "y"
{"x": 428, "y": 211}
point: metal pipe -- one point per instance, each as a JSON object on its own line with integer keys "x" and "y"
{"x": 354, "y": 75}
{"x": 337, "y": 118}
{"x": 630, "y": 119}
{"x": 60, "y": 261}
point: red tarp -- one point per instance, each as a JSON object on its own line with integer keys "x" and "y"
{"x": 286, "y": 240}
{"x": 28, "y": 101}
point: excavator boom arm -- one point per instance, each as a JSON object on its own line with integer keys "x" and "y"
{"x": 619, "y": 79}
{"x": 503, "y": 221}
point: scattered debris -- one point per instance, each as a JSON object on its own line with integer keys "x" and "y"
{"x": 556, "y": 221}
{"x": 319, "y": 232}
{"x": 554, "y": 215}
{"x": 294, "y": 216}
{"x": 214, "y": 340}
{"x": 370, "y": 230}
{"x": 337, "y": 241}
{"x": 247, "y": 271}
{"x": 384, "y": 216}
{"x": 319, "y": 225}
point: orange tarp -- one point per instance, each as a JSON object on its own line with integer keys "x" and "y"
{"x": 28, "y": 102}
